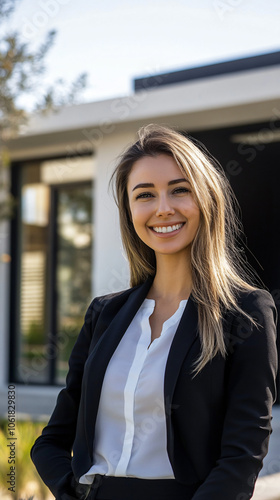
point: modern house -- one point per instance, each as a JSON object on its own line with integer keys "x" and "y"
{"x": 64, "y": 242}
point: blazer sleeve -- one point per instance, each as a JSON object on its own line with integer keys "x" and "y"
{"x": 51, "y": 452}
{"x": 251, "y": 391}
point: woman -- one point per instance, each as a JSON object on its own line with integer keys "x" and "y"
{"x": 170, "y": 383}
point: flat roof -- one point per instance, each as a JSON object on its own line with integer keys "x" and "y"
{"x": 198, "y": 72}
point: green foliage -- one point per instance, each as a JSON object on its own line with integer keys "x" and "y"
{"x": 28, "y": 481}
{"x": 20, "y": 72}
{"x": 35, "y": 333}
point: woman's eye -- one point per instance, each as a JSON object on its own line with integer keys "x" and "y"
{"x": 181, "y": 190}
{"x": 144, "y": 195}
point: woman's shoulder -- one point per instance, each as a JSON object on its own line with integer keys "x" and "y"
{"x": 255, "y": 304}
{"x": 113, "y": 297}
{"x": 257, "y": 311}
{"x": 253, "y": 325}
{"x": 255, "y": 297}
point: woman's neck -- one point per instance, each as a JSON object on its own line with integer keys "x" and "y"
{"x": 173, "y": 278}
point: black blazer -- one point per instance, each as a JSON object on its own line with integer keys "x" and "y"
{"x": 218, "y": 422}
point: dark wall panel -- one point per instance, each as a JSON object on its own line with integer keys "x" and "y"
{"x": 254, "y": 173}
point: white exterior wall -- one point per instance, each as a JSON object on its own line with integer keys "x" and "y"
{"x": 110, "y": 269}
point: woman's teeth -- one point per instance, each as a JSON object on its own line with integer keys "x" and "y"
{"x": 167, "y": 229}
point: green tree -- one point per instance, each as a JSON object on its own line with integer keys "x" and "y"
{"x": 21, "y": 70}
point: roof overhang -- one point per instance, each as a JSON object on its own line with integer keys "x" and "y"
{"x": 224, "y": 100}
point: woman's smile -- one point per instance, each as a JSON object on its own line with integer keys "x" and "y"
{"x": 167, "y": 230}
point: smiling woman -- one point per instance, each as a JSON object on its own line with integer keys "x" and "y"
{"x": 164, "y": 212}
{"x": 156, "y": 403}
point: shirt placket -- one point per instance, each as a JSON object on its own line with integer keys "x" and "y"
{"x": 129, "y": 392}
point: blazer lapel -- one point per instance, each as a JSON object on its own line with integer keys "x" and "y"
{"x": 99, "y": 358}
{"x": 184, "y": 338}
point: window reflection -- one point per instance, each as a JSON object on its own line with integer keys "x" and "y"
{"x": 74, "y": 239}
{"x": 33, "y": 259}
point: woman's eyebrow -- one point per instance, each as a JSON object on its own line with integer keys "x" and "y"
{"x": 150, "y": 184}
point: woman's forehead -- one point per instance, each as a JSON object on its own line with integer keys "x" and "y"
{"x": 158, "y": 168}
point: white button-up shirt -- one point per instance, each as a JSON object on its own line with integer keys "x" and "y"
{"x": 130, "y": 432}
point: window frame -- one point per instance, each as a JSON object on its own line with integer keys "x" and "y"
{"x": 15, "y": 274}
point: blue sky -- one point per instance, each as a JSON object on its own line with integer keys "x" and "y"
{"x": 116, "y": 41}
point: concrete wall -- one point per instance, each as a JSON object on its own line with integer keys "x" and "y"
{"x": 110, "y": 270}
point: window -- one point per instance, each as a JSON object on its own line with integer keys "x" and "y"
{"x": 51, "y": 276}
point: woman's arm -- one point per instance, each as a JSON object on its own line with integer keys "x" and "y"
{"x": 51, "y": 452}
{"x": 251, "y": 392}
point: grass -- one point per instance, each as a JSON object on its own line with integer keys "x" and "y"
{"x": 28, "y": 485}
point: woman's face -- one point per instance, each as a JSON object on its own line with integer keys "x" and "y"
{"x": 164, "y": 212}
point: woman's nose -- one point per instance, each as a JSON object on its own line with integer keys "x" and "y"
{"x": 164, "y": 208}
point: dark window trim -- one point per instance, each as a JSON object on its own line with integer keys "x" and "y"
{"x": 14, "y": 270}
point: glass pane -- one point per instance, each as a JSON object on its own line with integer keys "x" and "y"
{"x": 32, "y": 326}
{"x": 74, "y": 243}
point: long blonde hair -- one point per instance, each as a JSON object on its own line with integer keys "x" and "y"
{"x": 218, "y": 270}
